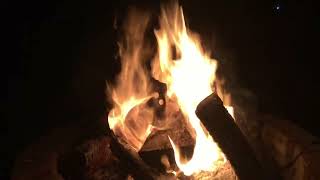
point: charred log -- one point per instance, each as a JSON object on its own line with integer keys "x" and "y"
{"x": 167, "y": 164}
{"x": 130, "y": 160}
{"x": 156, "y": 158}
{"x": 106, "y": 157}
{"x": 229, "y": 137}
{"x": 172, "y": 124}
{"x": 161, "y": 89}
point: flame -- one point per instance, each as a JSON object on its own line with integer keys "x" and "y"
{"x": 224, "y": 96}
{"x": 129, "y": 119}
{"x": 189, "y": 75}
{"x": 189, "y": 79}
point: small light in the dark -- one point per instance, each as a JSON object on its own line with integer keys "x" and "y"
{"x": 277, "y": 8}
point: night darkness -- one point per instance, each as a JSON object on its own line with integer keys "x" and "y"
{"x": 60, "y": 53}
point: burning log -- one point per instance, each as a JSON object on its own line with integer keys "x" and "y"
{"x": 224, "y": 172}
{"x": 106, "y": 157}
{"x": 230, "y": 139}
{"x": 171, "y": 124}
{"x": 131, "y": 161}
{"x": 163, "y": 159}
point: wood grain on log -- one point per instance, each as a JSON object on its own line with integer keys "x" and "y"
{"x": 230, "y": 139}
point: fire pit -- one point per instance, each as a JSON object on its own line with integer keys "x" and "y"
{"x": 164, "y": 100}
{"x": 171, "y": 120}
{"x": 155, "y": 109}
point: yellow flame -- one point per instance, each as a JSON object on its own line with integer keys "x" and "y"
{"x": 188, "y": 73}
{"x": 129, "y": 119}
{"x": 189, "y": 79}
{"x": 224, "y": 96}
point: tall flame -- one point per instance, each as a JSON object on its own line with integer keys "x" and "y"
{"x": 189, "y": 74}
{"x": 129, "y": 119}
{"x": 189, "y": 79}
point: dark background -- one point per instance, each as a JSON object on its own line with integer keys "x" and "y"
{"x": 58, "y": 55}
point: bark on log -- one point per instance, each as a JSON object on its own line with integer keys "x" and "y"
{"x": 230, "y": 139}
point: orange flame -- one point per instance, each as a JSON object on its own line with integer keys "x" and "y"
{"x": 224, "y": 96}
{"x": 189, "y": 80}
{"x": 128, "y": 118}
{"x": 189, "y": 75}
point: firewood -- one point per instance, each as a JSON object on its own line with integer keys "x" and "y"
{"x": 171, "y": 124}
{"x": 154, "y": 158}
{"x": 132, "y": 163}
{"x": 230, "y": 139}
{"x": 105, "y": 157}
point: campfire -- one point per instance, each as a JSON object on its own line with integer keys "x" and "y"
{"x": 188, "y": 75}
{"x": 188, "y": 78}
{"x": 172, "y": 108}
{"x": 173, "y": 111}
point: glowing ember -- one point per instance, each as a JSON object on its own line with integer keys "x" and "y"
{"x": 189, "y": 76}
